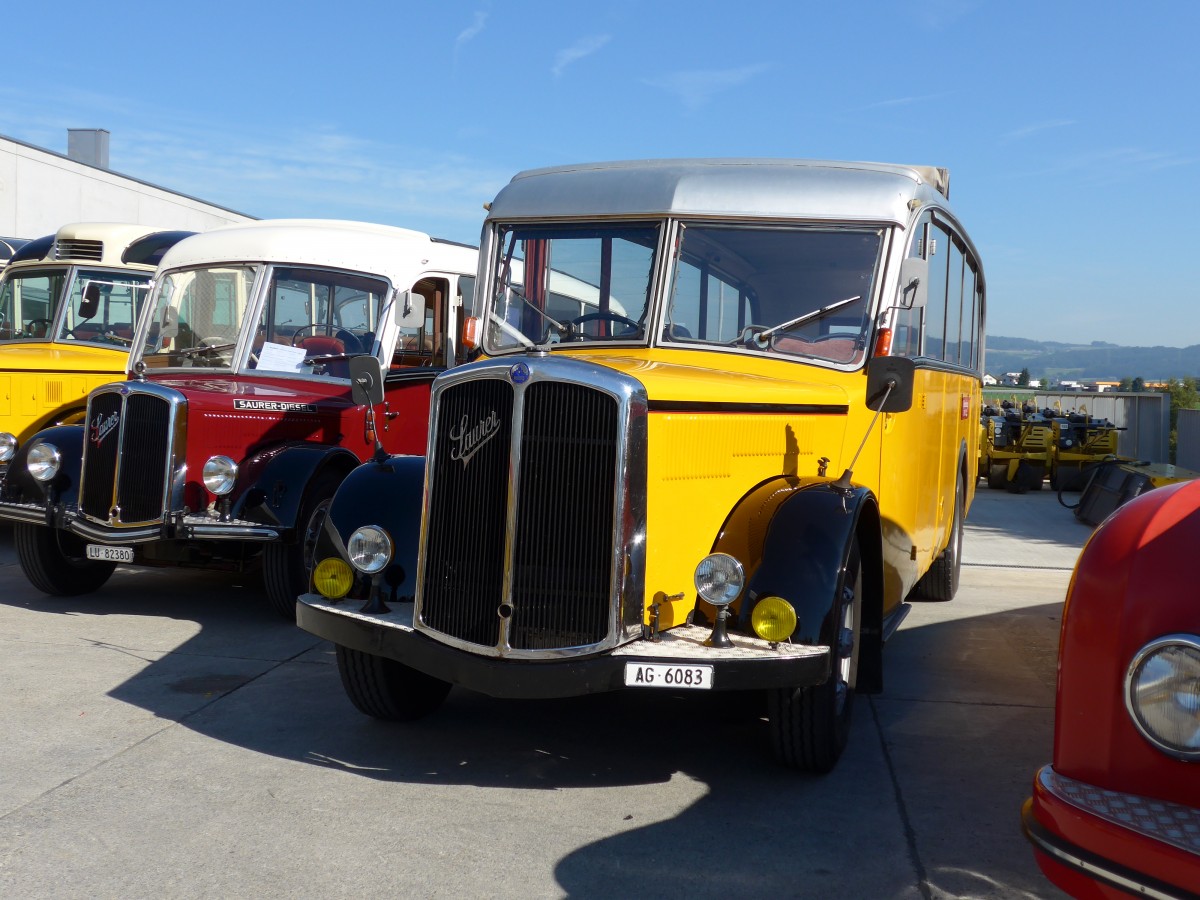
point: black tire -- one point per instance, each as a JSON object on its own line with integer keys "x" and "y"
{"x": 1037, "y": 477}
{"x": 940, "y": 583}
{"x": 810, "y": 725}
{"x": 385, "y": 689}
{"x": 998, "y": 478}
{"x": 286, "y": 566}
{"x": 55, "y": 561}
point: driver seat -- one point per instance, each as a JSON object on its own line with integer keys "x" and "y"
{"x": 322, "y": 345}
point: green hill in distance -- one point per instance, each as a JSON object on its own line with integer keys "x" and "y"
{"x": 1097, "y": 361}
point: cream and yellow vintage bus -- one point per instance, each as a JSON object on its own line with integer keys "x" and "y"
{"x": 68, "y": 305}
{"x": 729, "y": 472}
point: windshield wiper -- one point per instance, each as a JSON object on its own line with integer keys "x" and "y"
{"x": 205, "y": 348}
{"x": 564, "y": 330}
{"x": 762, "y": 338}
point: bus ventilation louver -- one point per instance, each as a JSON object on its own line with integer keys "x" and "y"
{"x": 74, "y": 249}
{"x": 562, "y": 551}
{"x": 126, "y": 442}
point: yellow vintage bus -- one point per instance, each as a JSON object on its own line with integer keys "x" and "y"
{"x": 729, "y": 472}
{"x": 68, "y": 304}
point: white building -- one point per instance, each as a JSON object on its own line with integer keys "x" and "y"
{"x": 41, "y": 190}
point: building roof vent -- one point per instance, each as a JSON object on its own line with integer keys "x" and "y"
{"x": 88, "y": 146}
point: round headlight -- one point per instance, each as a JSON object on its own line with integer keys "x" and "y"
{"x": 43, "y": 461}
{"x": 332, "y": 578}
{"x": 219, "y": 474}
{"x": 773, "y": 619}
{"x": 719, "y": 579}
{"x": 1162, "y": 694}
{"x": 8, "y": 446}
{"x": 369, "y": 549}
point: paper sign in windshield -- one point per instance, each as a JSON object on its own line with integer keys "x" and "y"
{"x": 280, "y": 358}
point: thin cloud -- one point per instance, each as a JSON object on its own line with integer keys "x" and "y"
{"x": 470, "y": 31}
{"x": 696, "y": 88}
{"x": 1029, "y": 130}
{"x": 319, "y": 171}
{"x": 1115, "y": 165}
{"x": 906, "y": 101}
{"x": 577, "y": 51}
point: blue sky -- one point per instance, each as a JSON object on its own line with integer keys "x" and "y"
{"x": 1070, "y": 128}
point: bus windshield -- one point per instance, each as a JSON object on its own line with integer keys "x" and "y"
{"x": 556, "y": 284}
{"x": 796, "y": 291}
{"x": 29, "y": 303}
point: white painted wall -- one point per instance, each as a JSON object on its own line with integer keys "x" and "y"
{"x": 41, "y": 191}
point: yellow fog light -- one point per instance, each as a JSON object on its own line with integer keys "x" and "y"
{"x": 773, "y": 619}
{"x": 333, "y": 578}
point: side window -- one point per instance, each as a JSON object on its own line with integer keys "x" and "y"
{"x": 970, "y": 312}
{"x": 938, "y": 254}
{"x": 954, "y": 303}
{"x": 906, "y": 334}
{"x": 425, "y": 345}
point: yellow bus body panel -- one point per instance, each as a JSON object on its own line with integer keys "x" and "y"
{"x": 701, "y": 463}
{"x": 46, "y": 382}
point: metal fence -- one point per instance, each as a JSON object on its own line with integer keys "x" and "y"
{"x": 1145, "y": 418}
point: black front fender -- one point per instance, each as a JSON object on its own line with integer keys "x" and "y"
{"x": 21, "y": 487}
{"x": 389, "y": 494}
{"x": 273, "y": 483}
{"x": 794, "y": 538}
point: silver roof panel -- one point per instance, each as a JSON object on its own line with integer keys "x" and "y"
{"x": 783, "y": 188}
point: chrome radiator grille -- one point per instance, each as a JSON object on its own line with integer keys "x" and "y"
{"x": 125, "y": 457}
{"x": 563, "y": 547}
{"x": 549, "y": 586}
{"x": 464, "y": 569}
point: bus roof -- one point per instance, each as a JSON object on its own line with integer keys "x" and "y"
{"x": 772, "y": 188}
{"x": 397, "y": 253}
{"x": 96, "y": 243}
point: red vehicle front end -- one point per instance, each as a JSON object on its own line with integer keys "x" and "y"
{"x": 1117, "y": 813}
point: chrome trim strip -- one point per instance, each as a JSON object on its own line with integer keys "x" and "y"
{"x": 627, "y": 578}
{"x": 232, "y": 531}
{"x": 1064, "y": 853}
{"x": 23, "y": 512}
{"x": 85, "y": 528}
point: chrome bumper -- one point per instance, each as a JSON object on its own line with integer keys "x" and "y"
{"x": 750, "y": 664}
{"x": 205, "y": 528}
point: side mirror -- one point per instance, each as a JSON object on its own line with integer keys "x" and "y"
{"x": 90, "y": 304}
{"x": 914, "y": 282}
{"x": 409, "y": 309}
{"x": 896, "y": 373}
{"x": 366, "y": 380}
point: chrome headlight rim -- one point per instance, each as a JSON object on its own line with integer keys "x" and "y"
{"x": 43, "y": 461}
{"x": 719, "y": 579}
{"x": 219, "y": 474}
{"x": 1149, "y": 652}
{"x": 8, "y": 446}
{"x": 369, "y": 549}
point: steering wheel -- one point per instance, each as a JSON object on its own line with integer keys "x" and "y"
{"x": 349, "y": 339}
{"x": 45, "y": 329}
{"x": 607, "y": 316}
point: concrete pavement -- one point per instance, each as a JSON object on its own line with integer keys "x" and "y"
{"x": 168, "y": 737}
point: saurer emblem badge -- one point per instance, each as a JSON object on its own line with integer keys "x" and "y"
{"x": 469, "y": 438}
{"x": 102, "y": 425}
